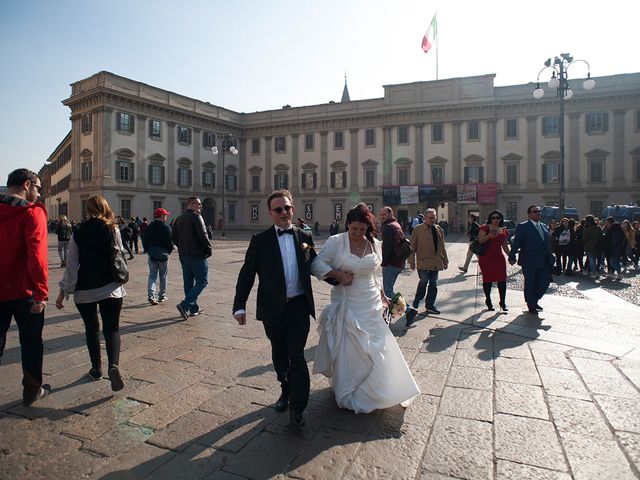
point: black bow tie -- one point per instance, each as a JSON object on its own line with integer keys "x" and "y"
{"x": 288, "y": 230}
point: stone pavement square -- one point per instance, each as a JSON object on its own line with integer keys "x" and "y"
{"x": 504, "y": 396}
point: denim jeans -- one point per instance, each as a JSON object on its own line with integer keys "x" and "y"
{"x": 63, "y": 248}
{"x": 614, "y": 264}
{"x": 195, "y": 273}
{"x": 156, "y": 268}
{"x": 427, "y": 278}
{"x": 389, "y": 276}
{"x": 593, "y": 263}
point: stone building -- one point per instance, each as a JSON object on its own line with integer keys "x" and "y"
{"x": 462, "y": 145}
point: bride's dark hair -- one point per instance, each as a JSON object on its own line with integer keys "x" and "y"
{"x": 361, "y": 213}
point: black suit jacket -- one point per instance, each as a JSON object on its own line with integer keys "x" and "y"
{"x": 263, "y": 258}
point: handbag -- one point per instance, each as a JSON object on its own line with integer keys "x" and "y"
{"x": 404, "y": 250}
{"x": 478, "y": 248}
{"x": 119, "y": 268}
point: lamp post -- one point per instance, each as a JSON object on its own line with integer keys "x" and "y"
{"x": 560, "y": 82}
{"x": 225, "y": 143}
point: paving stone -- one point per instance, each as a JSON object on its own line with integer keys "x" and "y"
{"x": 108, "y": 416}
{"x": 599, "y": 368}
{"x": 573, "y": 415}
{"x": 621, "y": 412}
{"x": 511, "y": 348}
{"x": 520, "y": 399}
{"x": 471, "y": 358}
{"x": 631, "y": 443}
{"x": 172, "y": 384}
{"x": 476, "y": 340}
{"x": 551, "y": 358}
{"x": 528, "y": 440}
{"x": 467, "y": 403}
{"x": 442, "y": 345}
{"x": 512, "y": 471}
{"x": 186, "y": 430}
{"x": 631, "y": 370}
{"x": 460, "y": 447}
{"x": 430, "y": 382}
{"x": 135, "y": 464}
{"x": 421, "y": 413}
{"x": 516, "y": 370}
{"x": 591, "y": 458}
{"x": 118, "y": 440}
{"x": 616, "y": 387}
{"x": 77, "y": 464}
{"x": 195, "y": 462}
{"x": 228, "y": 401}
{"x": 578, "y": 353}
{"x": 427, "y": 475}
{"x": 433, "y": 362}
{"x": 561, "y": 382}
{"x": 467, "y": 377}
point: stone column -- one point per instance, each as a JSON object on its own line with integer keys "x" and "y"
{"x": 242, "y": 167}
{"x": 419, "y": 154}
{"x": 456, "y": 153}
{"x": 492, "y": 167}
{"x": 170, "y": 172}
{"x": 76, "y": 132}
{"x": 196, "y": 179}
{"x": 268, "y": 184}
{"x": 574, "y": 151}
{"x": 353, "y": 160}
{"x": 295, "y": 163}
{"x": 387, "y": 156}
{"x": 618, "y": 149}
{"x": 532, "y": 155}
{"x": 141, "y": 172}
{"x": 105, "y": 150}
{"x": 324, "y": 163}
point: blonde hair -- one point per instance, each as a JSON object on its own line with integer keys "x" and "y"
{"x": 98, "y": 207}
{"x": 63, "y": 219}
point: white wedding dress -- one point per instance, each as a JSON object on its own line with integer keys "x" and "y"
{"x": 356, "y": 349}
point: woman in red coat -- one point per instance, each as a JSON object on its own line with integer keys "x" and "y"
{"x": 493, "y": 263}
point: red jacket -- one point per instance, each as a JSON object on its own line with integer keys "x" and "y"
{"x": 24, "y": 269}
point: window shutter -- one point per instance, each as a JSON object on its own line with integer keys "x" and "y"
{"x": 544, "y": 126}
{"x": 162, "y": 175}
{"x": 204, "y": 181}
{"x": 315, "y": 180}
{"x": 605, "y": 122}
{"x": 150, "y": 174}
{"x": 189, "y": 177}
{"x": 333, "y": 179}
{"x": 587, "y": 123}
{"x": 132, "y": 122}
{"x": 344, "y": 179}
{"x": 188, "y": 135}
{"x": 118, "y": 121}
{"x": 466, "y": 174}
{"x": 132, "y": 167}
{"x": 275, "y": 182}
{"x": 481, "y": 175}
{"x": 304, "y": 180}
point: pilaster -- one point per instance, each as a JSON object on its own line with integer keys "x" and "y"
{"x": 456, "y": 153}
{"x": 532, "y": 156}
{"x": 295, "y": 163}
{"x": 141, "y": 172}
{"x": 324, "y": 163}
{"x": 619, "y": 180}
{"x": 170, "y": 172}
{"x": 419, "y": 153}
{"x": 268, "y": 152}
{"x": 387, "y": 167}
{"x": 353, "y": 162}
{"x": 574, "y": 142}
{"x": 196, "y": 179}
{"x": 492, "y": 160}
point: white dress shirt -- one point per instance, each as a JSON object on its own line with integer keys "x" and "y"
{"x": 289, "y": 263}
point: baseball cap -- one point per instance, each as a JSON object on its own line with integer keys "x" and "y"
{"x": 160, "y": 211}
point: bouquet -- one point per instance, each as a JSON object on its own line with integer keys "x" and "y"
{"x": 397, "y": 307}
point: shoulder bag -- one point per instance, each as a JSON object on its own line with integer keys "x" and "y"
{"x": 119, "y": 268}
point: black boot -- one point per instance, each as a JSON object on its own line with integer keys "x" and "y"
{"x": 502, "y": 290}
{"x": 489, "y": 305}
{"x": 486, "y": 287}
{"x": 283, "y": 401}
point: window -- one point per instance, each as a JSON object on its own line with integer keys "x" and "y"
{"x": 403, "y": 135}
{"x": 157, "y": 204}
{"x": 403, "y": 175}
{"x": 511, "y": 210}
{"x": 511, "y": 129}
{"x": 370, "y": 137}
{"x": 184, "y": 135}
{"x": 208, "y": 139}
{"x": 473, "y": 174}
{"x": 550, "y": 125}
{"x": 231, "y": 208}
{"x": 437, "y": 133}
{"x": 308, "y": 142}
{"x": 338, "y": 140}
{"x": 156, "y": 174}
{"x": 370, "y": 177}
{"x": 309, "y": 180}
{"x": 184, "y": 177}
{"x": 86, "y": 171}
{"x": 597, "y": 122}
{"x": 437, "y": 174}
{"x": 512, "y": 176}
{"x": 550, "y": 173}
{"x": 124, "y": 171}
{"x": 255, "y": 183}
{"x": 125, "y": 208}
{"x": 124, "y": 122}
{"x": 596, "y": 171}
{"x": 280, "y": 181}
{"x": 255, "y": 146}
{"x": 183, "y": 207}
{"x": 86, "y": 123}
{"x": 280, "y": 144}
{"x": 338, "y": 179}
{"x": 473, "y": 131}
{"x": 83, "y": 208}
{"x": 596, "y": 207}
{"x": 232, "y": 181}
{"x": 154, "y": 129}
{"x": 208, "y": 179}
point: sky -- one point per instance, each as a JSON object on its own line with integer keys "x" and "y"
{"x": 260, "y": 55}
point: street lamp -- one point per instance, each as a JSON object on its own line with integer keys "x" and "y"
{"x": 225, "y": 140}
{"x": 560, "y": 82}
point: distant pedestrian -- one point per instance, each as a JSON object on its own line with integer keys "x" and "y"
{"x": 156, "y": 241}
{"x": 472, "y": 233}
{"x": 190, "y": 236}
{"x": 493, "y": 263}
{"x": 63, "y": 231}
{"x": 143, "y": 227}
{"x": 316, "y": 228}
{"x": 89, "y": 277}
{"x": 135, "y": 234}
{"x": 125, "y": 234}
{"x": 392, "y": 236}
{"x": 334, "y": 228}
{"x": 24, "y": 275}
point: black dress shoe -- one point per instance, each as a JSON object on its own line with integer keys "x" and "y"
{"x": 282, "y": 403}
{"x": 295, "y": 418}
{"x": 410, "y": 317}
{"x": 533, "y": 311}
{"x": 489, "y": 305}
{"x": 538, "y": 307}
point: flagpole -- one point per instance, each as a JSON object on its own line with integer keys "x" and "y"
{"x": 435, "y": 37}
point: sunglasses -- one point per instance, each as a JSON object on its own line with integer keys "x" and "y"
{"x": 535, "y": 211}
{"x": 496, "y": 218}
{"x": 38, "y": 187}
{"x": 286, "y": 208}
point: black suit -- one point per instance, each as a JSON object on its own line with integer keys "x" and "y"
{"x": 286, "y": 321}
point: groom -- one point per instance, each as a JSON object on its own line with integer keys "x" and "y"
{"x": 280, "y": 256}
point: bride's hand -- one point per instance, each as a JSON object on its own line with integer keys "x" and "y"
{"x": 346, "y": 278}
{"x": 386, "y": 301}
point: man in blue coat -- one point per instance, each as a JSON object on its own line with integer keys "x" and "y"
{"x": 533, "y": 246}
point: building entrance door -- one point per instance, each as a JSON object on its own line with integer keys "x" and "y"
{"x": 209, "y": 211}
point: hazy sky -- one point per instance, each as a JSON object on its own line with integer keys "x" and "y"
{"x": 260, "y": 55}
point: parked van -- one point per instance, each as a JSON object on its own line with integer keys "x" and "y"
{"x": 548, "y": 213}
{"x": 621, "y": 212}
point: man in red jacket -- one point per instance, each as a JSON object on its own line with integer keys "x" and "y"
{"x": 24, "y": 275}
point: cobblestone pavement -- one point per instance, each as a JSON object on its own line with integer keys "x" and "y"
{"x": 504, "y": 396}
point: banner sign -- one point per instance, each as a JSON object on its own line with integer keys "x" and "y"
{"x": 308, "y": 211}
{"x": 409, "y": 194}
{"x": 254, "y": 212}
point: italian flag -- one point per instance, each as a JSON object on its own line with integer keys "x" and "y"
{"x": 431, "y": 35}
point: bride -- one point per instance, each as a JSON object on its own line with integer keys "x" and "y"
{"x": 356, "y": 349}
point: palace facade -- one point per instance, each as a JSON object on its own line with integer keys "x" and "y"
{"x": 461, "y": 145}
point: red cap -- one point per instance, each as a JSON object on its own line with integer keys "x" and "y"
{"x": 160, "y": 211}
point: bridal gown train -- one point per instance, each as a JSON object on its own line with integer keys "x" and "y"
{"x": 356, "y": 349}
